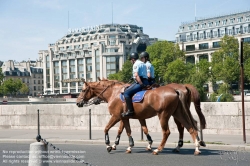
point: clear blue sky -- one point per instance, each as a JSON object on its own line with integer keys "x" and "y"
{"x": 27, "y": 26}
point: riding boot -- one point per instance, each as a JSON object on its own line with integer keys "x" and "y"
{"x": 130, "y": 111}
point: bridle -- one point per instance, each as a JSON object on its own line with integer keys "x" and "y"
{"x": 98, "y": 95}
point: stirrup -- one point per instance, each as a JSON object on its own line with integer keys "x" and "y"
{"x": 128, "y": 113}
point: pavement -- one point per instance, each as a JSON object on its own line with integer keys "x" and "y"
{"x": 216, "y": 142}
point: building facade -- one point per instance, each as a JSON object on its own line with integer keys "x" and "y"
{"x": 199, "y": 39}
{"x": 30, "y": 72}
{"x": 89, "y": 53}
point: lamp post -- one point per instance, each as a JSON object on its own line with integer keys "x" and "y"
{"x": 242, "y": 88}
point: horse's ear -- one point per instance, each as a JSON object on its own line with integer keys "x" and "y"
{"x": 83, "y": 80}
{"x": 99, "y": 78}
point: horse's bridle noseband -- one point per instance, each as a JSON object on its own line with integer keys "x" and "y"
{"x": 88, "y": 88}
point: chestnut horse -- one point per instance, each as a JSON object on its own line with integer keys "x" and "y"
{"x": 163, "y": 101}
{"x": 195, "y": 97}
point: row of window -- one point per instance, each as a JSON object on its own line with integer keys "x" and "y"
{"x": 38, "y": 88}
{"x": 217, "y": 23}
{"x": 191, "y": 58}
{"x": 88, "y": 38}
{"x": 202, "y": 46}
{"x": 213, "y": 33}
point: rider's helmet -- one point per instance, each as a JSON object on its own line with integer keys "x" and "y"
{"x": 133, "y": 55}
{"x": 145, "y": 55}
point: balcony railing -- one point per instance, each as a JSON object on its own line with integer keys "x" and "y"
{"x": 201, "y": 49}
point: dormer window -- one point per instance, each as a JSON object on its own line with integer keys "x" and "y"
{"x": 217, "y": 23}
{"x": 190, "y": 27}
{"x": 248, "y": 18}
{"x": 197, "y": 26}
{"x": 240, "y": 19}
{"x": 232, "y": 20}
{"x": 224, "y": 22}
{"x": 210, "y": 24}
{"x": 203, "y": 25}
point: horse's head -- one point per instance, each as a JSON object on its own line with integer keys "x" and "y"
{"x": 85, "y": 95}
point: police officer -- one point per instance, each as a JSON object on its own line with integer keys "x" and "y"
{"x": 141, "y": 81}
{"x": 144, "y": 56}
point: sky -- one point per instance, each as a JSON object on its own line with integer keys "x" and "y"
{"x": 27, "y": 26}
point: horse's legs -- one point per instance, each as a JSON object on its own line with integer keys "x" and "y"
{"x": 112, "y": 121}
{"x": 194, "y": 134}
{"x": 181, "y": 135}
{"x": 120, "y": 130}
{"x": 128, "y": 130}
{"x": 164, "y": 118}
{"x": 145, "y": 130}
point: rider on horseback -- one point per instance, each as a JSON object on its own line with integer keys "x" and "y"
{"x": 141, "y": 81}
{"x": 144, "y": 56}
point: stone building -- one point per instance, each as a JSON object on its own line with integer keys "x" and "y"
{"x": 30, "y": 72}
{"x": 89, "y": 53}
{"x": 199, "y": 39}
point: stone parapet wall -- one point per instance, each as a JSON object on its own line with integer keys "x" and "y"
{"x": 222, "y": 117}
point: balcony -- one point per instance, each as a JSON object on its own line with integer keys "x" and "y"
{"x": 79, "y": 56}
{"x": 202, "y": 49}
{"x": 88, "y": 55}
{"x": 70, "y": 50}
{"x": 77, "y": 49}
{"x": 112, "y": 53}
{"x": 56, "y": 59}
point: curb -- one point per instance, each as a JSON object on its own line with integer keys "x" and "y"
{"x": 125, "y": 143}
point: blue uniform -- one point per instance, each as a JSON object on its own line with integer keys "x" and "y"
{"x": 151, "y": 70}
{"x": 141, "y": 69}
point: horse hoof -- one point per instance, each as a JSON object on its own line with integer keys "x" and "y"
{"x": 196, "y": 153}
{"x": 154, "y": 153}
{"x": 175, "y": 151}
{"x": 113, "y": 148}
{"x": 128, "y": 151}
{"x": 147, "y": 149}
{"x": 202, "y": 143}
{"x": 109, "y": 149}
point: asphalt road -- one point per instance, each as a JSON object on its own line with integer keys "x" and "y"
{"x": 13, "y": 154}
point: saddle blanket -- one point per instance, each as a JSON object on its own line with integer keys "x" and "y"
{"x": 138, "y": 97}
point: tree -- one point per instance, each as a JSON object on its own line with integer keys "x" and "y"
{"x": 161, "y": 54}
{"x": 24, "y": 89}
{"x": 12, "y": 86}
{"x": 246, "y": 58}
{"x": 198, "y": 75}
{"x": 225, "y": 62}
{"x": 176, "y": 72}
{"x": 125, "y": 74}
{"x": 1, "y": 82}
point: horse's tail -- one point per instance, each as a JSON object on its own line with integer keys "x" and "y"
{"x": 183, "y": 99}
{"x": 197, "y": 104}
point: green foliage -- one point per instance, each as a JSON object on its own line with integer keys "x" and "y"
{"x": 225, "y": 61}
{"x": 198, "y": 75}
{"x": 246, "y": 57}
{"x": 125, "y": 74}
{"x": 12, "y": 86}
{"x": 1, "y": 82}
{"x": 24, "y": 89}
{"x": 161, "y": 54}
{"x": 176, "y": 72}
{"x": 224, "y": 91}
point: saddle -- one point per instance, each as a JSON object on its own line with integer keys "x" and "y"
{"x": 138, "y": 97}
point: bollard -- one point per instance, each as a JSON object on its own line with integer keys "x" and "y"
{"x": 38, "y": 137}
{"x": 90, "y": 124}
{"x": 38, "y": 154}
{"x": 141, "y": 134}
